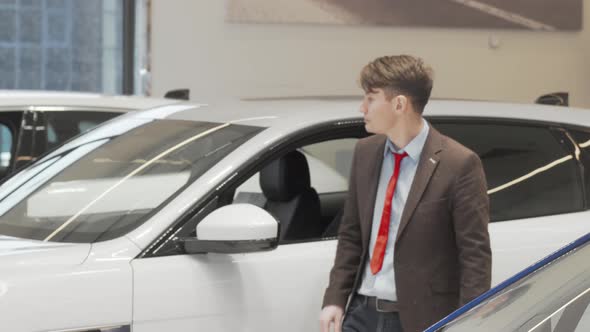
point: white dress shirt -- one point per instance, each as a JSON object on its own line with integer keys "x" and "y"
{"x": 382, "y": 284}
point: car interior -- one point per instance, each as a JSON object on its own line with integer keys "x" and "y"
{"x": 304, "y": 189}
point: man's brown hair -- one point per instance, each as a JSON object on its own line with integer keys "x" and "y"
{"x": 399, "y": 74}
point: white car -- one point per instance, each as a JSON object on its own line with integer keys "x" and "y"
{"x": 155, "y": 221}
{"x": 553, "y": 295}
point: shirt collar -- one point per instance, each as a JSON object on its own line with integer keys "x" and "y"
{"x": 414, "y": 148}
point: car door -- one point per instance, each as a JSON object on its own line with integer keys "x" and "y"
{"x": 535, "y": 188}
{"x": 278, "y": 290}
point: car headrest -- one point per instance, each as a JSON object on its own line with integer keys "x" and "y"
{"x": 285, "y": 178}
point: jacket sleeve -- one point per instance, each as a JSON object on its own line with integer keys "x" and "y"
{"x": 471, "y": 217}
{"x": 349, "y": 248}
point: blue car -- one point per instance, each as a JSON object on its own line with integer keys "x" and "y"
{"x": 550, "y": 296}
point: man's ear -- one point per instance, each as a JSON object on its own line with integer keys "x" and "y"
{"x": 401, "y": 103}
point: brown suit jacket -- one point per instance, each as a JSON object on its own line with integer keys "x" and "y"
{"x": 442, "y": 256}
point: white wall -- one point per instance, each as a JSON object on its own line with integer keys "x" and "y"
{"x": 193, "y": 47}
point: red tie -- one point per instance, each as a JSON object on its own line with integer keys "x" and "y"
{"x": 381, "y": 243}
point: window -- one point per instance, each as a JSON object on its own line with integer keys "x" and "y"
{"x": 305, "y": 212}
{"x": 5, "y": 149}
{"x": 61, "y": 126}
{"x": 528, "y": 172}
{"x": 101, "y": 189}
{"x": 317, "y": 218}
{"x": 61, "y": 45}
{"x": 337, "y": 154}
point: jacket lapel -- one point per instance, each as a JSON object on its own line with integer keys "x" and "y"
{"x": 427, "y": 164}
{"x": 372, "y": 172}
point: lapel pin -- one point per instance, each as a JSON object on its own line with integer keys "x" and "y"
{"x": 433, "y": 161}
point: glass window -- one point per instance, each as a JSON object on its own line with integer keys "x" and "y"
{"x": 329, "y": 165}
{"x": 554, "y": 298}
{"x": 61, "y": 126}
{"x": 7, "y": 63}
{"x": 528, "y": 172}
{"x": 7, "y": 23}
{"x": 103, "y": 188}
{"x": 336, "y": 154}
{"x": 62, "y": 45}
{"x": 5, "y": 149}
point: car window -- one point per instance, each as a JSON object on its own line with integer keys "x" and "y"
{"x": 324, "y": 178}
{"x": 528, "y": 172}
{"x": 554, "y": 298}
{"x": 63, "y": 125}
{"x": 329, "y": 163}
{"x": 329, "y": 167}
{"x": 337, "y": 154}
{"x": 6, "y": 148}
{"x": 103, "y": 188}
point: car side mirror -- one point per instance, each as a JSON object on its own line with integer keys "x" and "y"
{"x": 555, "y": 98}
{"x": 180, "y": 94}
{"x": 235, "y": 228}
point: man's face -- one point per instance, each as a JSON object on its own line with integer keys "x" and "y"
{"x": 379, "y": 111}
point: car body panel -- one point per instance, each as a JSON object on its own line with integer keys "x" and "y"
{"x": 517, "y": 243}
{"x": 188, "y": 291}
{"x": 30, "y": 253}
{"x": 64, "y": 286}
{"x": 293, "y": 112}
{"x": 234, "y": 282}
{"x": 536, "y": 299}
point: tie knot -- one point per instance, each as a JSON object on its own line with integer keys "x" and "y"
{"x": 399, "y": 156}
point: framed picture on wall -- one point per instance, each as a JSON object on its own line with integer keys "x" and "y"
{"x": 542, "y": 15}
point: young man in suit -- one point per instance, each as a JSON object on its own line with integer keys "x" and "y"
{"x": 413, "y": 244}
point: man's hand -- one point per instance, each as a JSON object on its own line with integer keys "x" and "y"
{"x": 331, "y": 314}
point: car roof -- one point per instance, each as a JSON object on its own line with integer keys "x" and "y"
{"x": 290, "y": 112}
{"x": 287, "y": 112}
{"x": 56, "y": 101}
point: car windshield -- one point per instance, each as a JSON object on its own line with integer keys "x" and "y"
{"x": 554, "y": 298}
{"x": 99, "y": 187}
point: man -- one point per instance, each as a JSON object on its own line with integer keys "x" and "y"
{"x": 413, "y": 241}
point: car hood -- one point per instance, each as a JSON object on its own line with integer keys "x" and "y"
{"x": 17, "y": 252}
